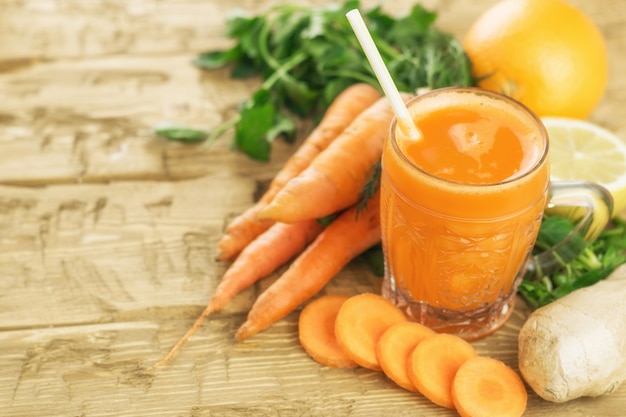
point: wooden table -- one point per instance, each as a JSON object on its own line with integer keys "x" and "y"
{"x": 108, "y": 234}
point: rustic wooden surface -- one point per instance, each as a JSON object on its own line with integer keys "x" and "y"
{"x": 108, "y": 234}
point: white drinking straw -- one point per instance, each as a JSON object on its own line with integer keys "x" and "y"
{"x": 405, "y": 120}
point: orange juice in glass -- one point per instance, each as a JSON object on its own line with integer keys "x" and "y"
{"x": 461, "y": 208}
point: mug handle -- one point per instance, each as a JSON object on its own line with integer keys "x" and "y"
{"x": 588, "y": 203}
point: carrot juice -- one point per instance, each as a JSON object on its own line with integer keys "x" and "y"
{"x": 461, "y": 208}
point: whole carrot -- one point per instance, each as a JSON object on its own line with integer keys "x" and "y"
{"x": 353, "y": 232}
{"x": 342, "y": 111}
{"x": 260, "y": 258}
{"x": 335, "y": 178}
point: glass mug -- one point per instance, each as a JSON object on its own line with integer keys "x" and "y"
{"x": 461, "y": 209}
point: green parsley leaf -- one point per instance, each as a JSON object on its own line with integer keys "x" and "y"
{"x": 257, "y": 117}
{"x": 181, "y": 134}
{"x": 375, "y": 260}
{"x": 582, "y": 265}
{"x": 217, "y": 59}
{"x": 283, "y": 126}
{"x": 307, "y": 55}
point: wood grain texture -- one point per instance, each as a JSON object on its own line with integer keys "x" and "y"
{"x": 108, "y": 234}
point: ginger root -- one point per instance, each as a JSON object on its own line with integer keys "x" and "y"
{"x": 576, "y": 346}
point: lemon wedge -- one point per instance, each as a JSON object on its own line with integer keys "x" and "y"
{"x": 582, "y": 150}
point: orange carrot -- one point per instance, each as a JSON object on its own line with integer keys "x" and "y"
{"x": 241, "y": 231}
{"x": 394, "y": 347}
{"x": 316, "y": 332}
{"x": 361, "y": 321}
{"x": 346, "y": 237}
{"x": 342, "y": 111}
{"x": 335, "y": 178}
{"x": 263, "y": 256}
{"x": 433, "y": 364}
{"x": 486, "y": 387}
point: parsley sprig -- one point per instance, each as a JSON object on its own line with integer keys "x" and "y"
{"x": 596, "y": 262}
{"x": 306, "y": 56}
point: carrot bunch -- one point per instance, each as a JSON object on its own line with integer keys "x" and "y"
{"x": 367, "y": 330}
{"x": 340, "y": 115}
{"x": 324, "y": 177}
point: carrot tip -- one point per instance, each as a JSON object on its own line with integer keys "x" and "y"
{"x": 228, "y": 248}
{"x": 222, "y": 248}
{"x": 245, "y": 331}
{"x": 267, "y": 212}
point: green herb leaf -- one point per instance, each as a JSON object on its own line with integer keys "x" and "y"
{"x": 244, "y": 68}
{"x": 371, "y": 186}
{"x": 595, "y": 262}
{"x": 553, "y": 230}
{"x": 257, "y": 117}
{"x": 217, "y": 59}
{"x": 181, "y": 134}
{"x": 418, "y": 21}
{"x": 375, "y": 260}
{"x": 326, "y": 220}
{"x": 307, "y": 55}
{"x": 283, "y": 126}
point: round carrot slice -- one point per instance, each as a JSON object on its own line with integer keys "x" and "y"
{"x": 433, "y": 364}
{"x": 394, "y": 347}
{"x": 316, "y": 331}
{"x": 487, "y": 387}
{"x": 362, "y": 319}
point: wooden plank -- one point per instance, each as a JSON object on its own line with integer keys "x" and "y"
{"x": 108, "y": 234}
{"x": 99, "y": 370}
{"x": 94, "y": 121}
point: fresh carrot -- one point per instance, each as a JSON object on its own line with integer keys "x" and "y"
{"x": 263, "y": 256}
{"x": 486, "y": 387}
{"x": 343, "y": 110}
{"x": 336, "y": 177}
{"x": 241, "y": 231}
{"x": 361, "y": 321}
{"x": 316, "y": 332}
{"x": 351, "y": 233}
{"x": 433, "y": 364}
{"x": 394, "y": 347}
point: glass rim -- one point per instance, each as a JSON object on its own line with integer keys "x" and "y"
{"x": 537, "y": 164}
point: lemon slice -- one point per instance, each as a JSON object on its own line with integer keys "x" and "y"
{"x": 582, "y": 150}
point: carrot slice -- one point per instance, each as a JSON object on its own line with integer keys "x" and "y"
{"x": 486, "y": 387}
{"x": 433, "y": 364}
{"x": 316, "y": 331}
{"x": 394, "y": 347}
{"x": 362, "y": 319}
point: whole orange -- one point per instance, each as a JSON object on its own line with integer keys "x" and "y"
{"x": 545, "y": 53}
